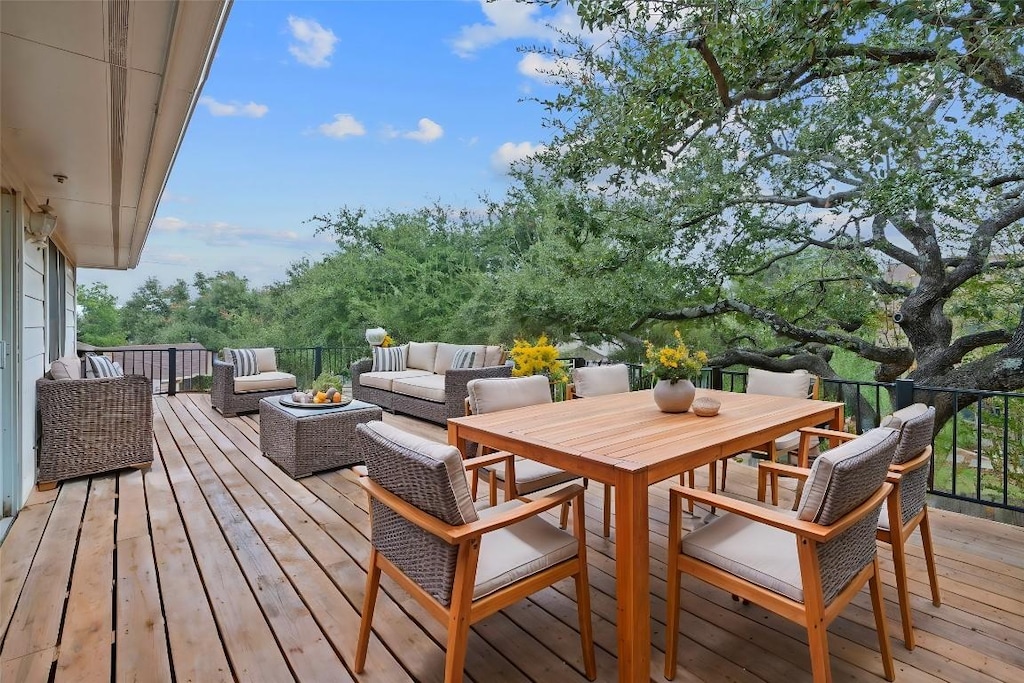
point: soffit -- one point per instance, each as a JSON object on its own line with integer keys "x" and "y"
{"x": 101, "y": 92}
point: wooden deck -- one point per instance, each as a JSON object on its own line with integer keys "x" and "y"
{"x": 214, "y": 565}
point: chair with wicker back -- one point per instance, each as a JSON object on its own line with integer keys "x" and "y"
{"x": 796, "y": 384}
{"x": 804, "y": 568}
{"x": 906, "y": 508}
{"x": 459, "y": 564}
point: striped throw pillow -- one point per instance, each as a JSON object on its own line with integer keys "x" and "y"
{"x": 463, "y": 359}
{"x": 104, "y": 367}
{"x": 244, "y": 361}
{"x": 391, "y": 359}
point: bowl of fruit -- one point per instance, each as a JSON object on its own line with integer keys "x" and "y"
{"x": 329, "y": 398}
{"x": 323, "y": 394}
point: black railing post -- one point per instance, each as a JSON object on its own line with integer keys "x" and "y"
{"x": 172, "y": 371}
{"x": 318, "y": 361}
{"x": 904, "y": 393}
{"x": 716, "y": 377}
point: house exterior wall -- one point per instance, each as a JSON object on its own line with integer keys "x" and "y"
{"x": 31, "y": 357}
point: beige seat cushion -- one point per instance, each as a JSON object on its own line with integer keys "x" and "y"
{"x": 515, "y": 552}
{"x": 532, "y": 476}
{"x": 488, "y": 395}
{"x": 601, "y": 380}
{"x": 429, "y": 387}
{"x": 421, "y": 356}
{"x": 791, "y": 442}
{"x": 264, "y": 381}
{"x": 759, "y": 553}
{"x": 66, "y": 367}
{"x": 383, "y": 380}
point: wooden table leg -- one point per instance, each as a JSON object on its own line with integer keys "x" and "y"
{"x": 837, "y": 425}
{"x": 632, "y": 576}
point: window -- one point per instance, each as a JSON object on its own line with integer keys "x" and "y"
{"x": 56, "y": 322}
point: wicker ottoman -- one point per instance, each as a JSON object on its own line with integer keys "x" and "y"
{"x": 306, "y": 440}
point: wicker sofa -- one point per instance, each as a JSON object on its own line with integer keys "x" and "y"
{"x": 428, "y": 388}
{"x": 232, "y": 395}
{"x": 92, "y": 425}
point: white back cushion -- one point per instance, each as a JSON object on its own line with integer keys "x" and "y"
{"x": 600, "y": 380}
{"x": 66, "y": 367}
{"x": 421, "y": 356}
{"x": 266, "y": 359}
{"x": 488, "y": 395}
{"x": 791, "y": 384}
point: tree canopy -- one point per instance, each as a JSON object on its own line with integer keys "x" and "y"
{"x": 809, "y": 167}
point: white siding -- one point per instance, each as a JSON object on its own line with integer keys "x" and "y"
{"x": 33, "y": 348}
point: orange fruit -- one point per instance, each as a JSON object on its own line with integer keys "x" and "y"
{"x": 337, "y": 397}
{"x": 321, "y": 397}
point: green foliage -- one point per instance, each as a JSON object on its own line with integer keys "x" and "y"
{"x": 326, "y": 380}
{"x": 99, "y": 321}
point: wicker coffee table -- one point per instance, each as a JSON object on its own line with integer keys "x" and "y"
{"x": 302, "y": 441}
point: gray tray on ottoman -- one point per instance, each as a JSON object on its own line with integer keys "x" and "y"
{"x": 302, "y": 441}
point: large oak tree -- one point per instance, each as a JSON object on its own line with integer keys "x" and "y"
{"x": 798, "y": 153}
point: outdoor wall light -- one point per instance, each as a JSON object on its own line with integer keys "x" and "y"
{"x": 42, "y": 223}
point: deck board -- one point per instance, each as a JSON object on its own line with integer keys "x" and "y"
{"x": 214, "y": 565}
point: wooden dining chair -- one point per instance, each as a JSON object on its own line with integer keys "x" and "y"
{"x": 461, "y": 565}
{"x": 796, "y": 384}
{"x": 906, "y": 509}
{"x": 805, "y": 568}
{"x": 517, "y": 476}
{"x": 600, "y": 380}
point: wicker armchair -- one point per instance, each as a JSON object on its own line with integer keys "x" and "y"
{"x": 224, "y": 398}
{"x": 88, "y": 426}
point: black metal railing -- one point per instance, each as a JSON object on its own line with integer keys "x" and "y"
{"x": 978, "y": 455}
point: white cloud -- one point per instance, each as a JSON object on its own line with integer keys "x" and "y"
{"x": 548, "y": 69}
{"x": 506, "y": 19}
{"x": 427, "y": 131}
{"x": 511, "y": 153}
{"x": 250, "y": 110}
{"x": 315, "y": 43}
{"x": 221, "y": 233}
{"x": 342, "y": 126}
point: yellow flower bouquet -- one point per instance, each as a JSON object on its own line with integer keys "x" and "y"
{"x": 539, "y": 358}
{"x": 674, "y": 362}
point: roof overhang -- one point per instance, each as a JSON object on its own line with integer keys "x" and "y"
{"x": 100, "y": 93}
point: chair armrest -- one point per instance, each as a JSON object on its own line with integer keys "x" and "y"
{"x": 779, "y": 520}
{"x": 828, "y": 433}
{"x": 479, "y": 461}
{"x": 457, "y": 534}
{"x": 519, "y": 513}
{"x": 785, "y": 470}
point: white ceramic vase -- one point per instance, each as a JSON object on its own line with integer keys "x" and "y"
{"x": 375, "y": 336}
{"x": 674, "y": 397}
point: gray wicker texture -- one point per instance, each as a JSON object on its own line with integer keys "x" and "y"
{"x": 422, "y": 482}
{"x": 224, "y": 398}
{"x": 302, "y": 445}
{"x": 856, "y": 478}
{"x": 89, "y": 426}
{"x": 915, "y": 435}
{"x": 914, "y": 492}
{"x": 841, "y": 558}
{"x": 455, "y": 393}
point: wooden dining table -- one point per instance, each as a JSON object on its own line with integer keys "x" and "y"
{"x": 624, "y": 440}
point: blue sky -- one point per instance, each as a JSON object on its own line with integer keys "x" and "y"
{"x": 311, "y": 106}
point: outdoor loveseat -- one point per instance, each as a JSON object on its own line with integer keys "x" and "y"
{"x": 419, "y": 378}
